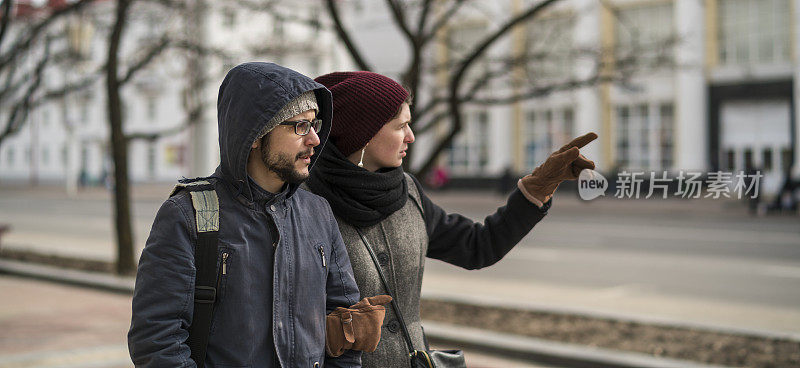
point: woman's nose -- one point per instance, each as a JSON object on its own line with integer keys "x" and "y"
{"x": 409, "y": 135}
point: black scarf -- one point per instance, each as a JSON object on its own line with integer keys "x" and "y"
{"x": 361, "y": 197}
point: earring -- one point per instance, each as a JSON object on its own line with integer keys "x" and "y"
{"x": 361, "y": 162}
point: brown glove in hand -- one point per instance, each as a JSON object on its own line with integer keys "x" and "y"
{"x": 564, "y": 164}
{"x": 357, "y": 327}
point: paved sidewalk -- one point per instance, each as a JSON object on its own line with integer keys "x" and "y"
{"x": 51, "y": 325}
{"x": 47, "y": 325}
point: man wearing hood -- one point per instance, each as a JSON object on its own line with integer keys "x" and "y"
{"x": 281, "y": 262}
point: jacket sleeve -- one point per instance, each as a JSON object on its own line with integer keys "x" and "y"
{"x": 164, "y": 293}
{"x": 460, "y": 241}
{"x": 341, "y": 288}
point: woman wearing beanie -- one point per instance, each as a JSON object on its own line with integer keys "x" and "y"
{"x": 376, "y": 203}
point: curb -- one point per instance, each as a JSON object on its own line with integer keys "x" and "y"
{"x": 96, "y": 280}
{"x": 548, "y": 352}
{"x": 641, "y": 319}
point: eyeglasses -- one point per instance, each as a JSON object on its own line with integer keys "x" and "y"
{"x": 303, "y": 127}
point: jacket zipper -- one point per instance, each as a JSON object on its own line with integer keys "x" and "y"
{"x": 322, "y": 254}
{"x": 223, "y": 271}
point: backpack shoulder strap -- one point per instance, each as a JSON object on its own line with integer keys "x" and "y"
{"x": 205, "y": 203}
{"x": 206, "y": 209}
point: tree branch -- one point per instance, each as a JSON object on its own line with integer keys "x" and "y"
{"x": 62, "y": 92}
{"x": 145, "y": 59}
{"x": 24, "y": 42}
{"x": 200, "y": 50}
{"x": 333, "y": 11}
{"x": 21, "y": 109}
{"x": 399, "y": 17}
{"x": 441, "y": 21}
{"x": 192, "y": 117}
{"x": 423, "y": 18}
{"x": 7, "y": 7}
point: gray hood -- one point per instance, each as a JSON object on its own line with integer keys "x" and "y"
{"x": 250, "y": 95}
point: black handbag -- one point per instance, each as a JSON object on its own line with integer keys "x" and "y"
{"x": 419, "y": 358}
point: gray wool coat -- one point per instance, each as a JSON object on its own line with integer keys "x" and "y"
{"x": 418, "y": 230}
{"x": 400, "y": 243}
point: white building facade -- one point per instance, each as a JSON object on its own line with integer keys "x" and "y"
{"x": 724, "y": 96}
{"x": 728, "y": 102}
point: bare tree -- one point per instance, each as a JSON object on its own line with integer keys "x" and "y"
{"x": 472, "y": 76}
{"x": 27, "y": 51}
{"x": 116, "y": 80}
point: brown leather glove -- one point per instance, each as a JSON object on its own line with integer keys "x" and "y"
{"x": 357, "y": 327}
{"x": 564, "y": 164}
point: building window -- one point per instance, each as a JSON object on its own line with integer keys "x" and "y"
{"x": 228, "y": 17}
{"x": 174, "y": 155}
{"x": 748, "y": 158}
{"x": 549, "y": 47}
{"x": 546, "y": 131}
{"x": 46, "y": 119}
{"x": 277, "y": 27}
{"x": 645, "y": 136}
{"x": 315, "y": 66}
{"x": 766, "y": 159}
{"x": 313, "y": 14}
{"x": 10, "y": 156}
{"x": 84, "y": 108}
{"x": 569, "y": 125}
{"x": 64, "y": 153}
{"x": 667, "y": 136}
{"x": 731, "y": 159}
{"x": 786, "y": 159}
{"x": 754, "y": 31}
{"x": 469, "y": 153}
{"x": 45, "y": 156}
{"x": 460, "y": 40}
{"x": 645, "y": 32}
{"x": 151, "y": 160}
{"x": 152, "y": 109}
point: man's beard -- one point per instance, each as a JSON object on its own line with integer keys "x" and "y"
{"x": 282, "y": 164}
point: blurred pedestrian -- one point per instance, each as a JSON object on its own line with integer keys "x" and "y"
{"x": 753, "y": 200}
{"x": 361, "y": 176}
{"x": 507, "y": 181}
{"x": 276, "y": 263}
{"x": 438, "y": 177}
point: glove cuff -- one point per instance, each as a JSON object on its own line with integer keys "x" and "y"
{"x": 537, "y": 188}
{"x": 527, "y": 195}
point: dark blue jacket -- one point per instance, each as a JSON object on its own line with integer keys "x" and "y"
{"x": 260, "y": 316}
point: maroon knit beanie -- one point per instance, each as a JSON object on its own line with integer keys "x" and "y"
{"x": 362, "y": 103}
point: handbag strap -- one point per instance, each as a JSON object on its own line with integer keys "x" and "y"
{"x": 389, "y": 291}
